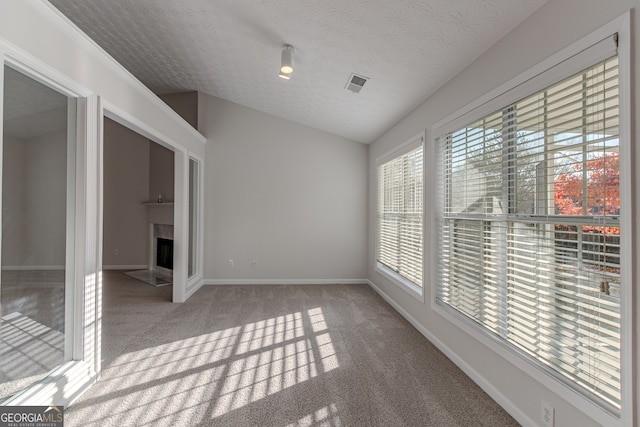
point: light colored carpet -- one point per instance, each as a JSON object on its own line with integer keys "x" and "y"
{"x": 331, "y": 355}
{"x": 31, "y": 327}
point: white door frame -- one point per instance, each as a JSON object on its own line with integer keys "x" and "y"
{"x": 181, "y": 187}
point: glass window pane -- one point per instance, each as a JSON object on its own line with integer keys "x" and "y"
{"x": 543, "y": 271}
{"x": 400, "y": 217}
{"x": 193, "y": 216}
{"x": 36, "y": 177}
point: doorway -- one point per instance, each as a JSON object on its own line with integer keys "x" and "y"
{"x": 138, "y": 208}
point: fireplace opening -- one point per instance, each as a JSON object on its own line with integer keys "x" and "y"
{"x": 164, "y": 253}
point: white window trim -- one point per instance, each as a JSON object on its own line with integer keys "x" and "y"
{"x": 195, "y": 281}
{"x": 408, "y": 286}
{"x": 66, "y": 382}
{"x": 401, "y": 149}
{"x": 495, "y": 100}
{"x": 404, "y": 284}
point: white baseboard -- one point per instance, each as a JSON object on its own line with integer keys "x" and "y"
{"x": 125, "y": 267}
{"x": 489, "y": 388}
{"x": 193, "y": 289}
{"x": 286, "y": 281}
{"x": 31, "y": 267}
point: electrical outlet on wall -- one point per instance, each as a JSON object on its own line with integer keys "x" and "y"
{"x": 547, "y": 414}
{"x": 115, "y": 252}
{"x": 254, "y": 263}
{"x": 230, "y": 263}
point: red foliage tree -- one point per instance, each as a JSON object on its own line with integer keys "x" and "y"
{"x": 602, "y": 190}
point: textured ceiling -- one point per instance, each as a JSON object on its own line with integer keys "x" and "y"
{"x": 231, "y": 49}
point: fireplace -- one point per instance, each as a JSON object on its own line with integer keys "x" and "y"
{"x": 161, "y": 248}
{"x": 164, "y": 253}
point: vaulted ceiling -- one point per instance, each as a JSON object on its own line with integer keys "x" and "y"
{"x": 231, "y": 49}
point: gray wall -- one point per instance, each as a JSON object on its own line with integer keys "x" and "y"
{"x": 126, "y": 185}
{"x": 34, "y": 201}
{"x": 161, "y": 177}
{"x": 291, "y": 197}
{"x": 556, "y": 25}
{"x": 185, "y": 104}
{"x": 136, "y": 170}
{"x": 13, "y": 191}
{"x": 161, "y": 172}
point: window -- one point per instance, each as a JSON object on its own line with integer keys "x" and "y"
{"x": 529, "y": 228}
{"x": 400, "y": 214}
{"x": 194, "y": 217}
{"x": 38, "y": 262}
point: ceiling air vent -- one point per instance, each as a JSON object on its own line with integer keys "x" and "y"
{"x": 356, "y": 82}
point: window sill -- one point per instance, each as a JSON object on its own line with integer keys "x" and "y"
{"x": 555, "y": 383}
{"x": 404, "y": 284}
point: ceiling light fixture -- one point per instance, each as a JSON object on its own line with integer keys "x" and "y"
{"x": 286, "y": 62}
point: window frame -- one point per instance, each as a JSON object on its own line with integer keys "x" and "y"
{"x": 198, "y": 245}
{"x": 80, "y": 369}
{"x": 405, "y": 284}
{"x": 567, "y": 61}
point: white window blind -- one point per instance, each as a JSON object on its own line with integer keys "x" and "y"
{"x": 529, "y": 231}
{"x": 400, "y": 214}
